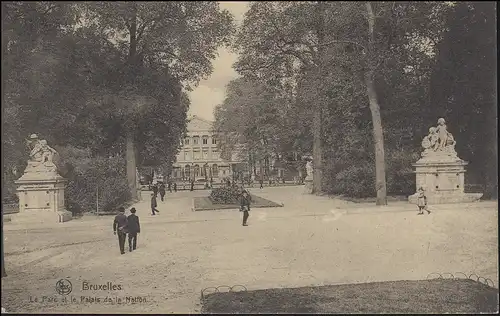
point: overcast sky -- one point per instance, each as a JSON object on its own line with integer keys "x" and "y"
{"x": 211, "y": 92}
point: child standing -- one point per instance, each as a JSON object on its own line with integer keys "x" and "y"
{"x": 422, "y": 202}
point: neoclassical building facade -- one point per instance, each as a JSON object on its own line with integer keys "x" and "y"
{"x": 199, "y": 157}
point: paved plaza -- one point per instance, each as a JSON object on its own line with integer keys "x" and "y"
{"x": 310, "y": 241}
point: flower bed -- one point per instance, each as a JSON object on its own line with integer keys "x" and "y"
{"x": 225, "y": 195}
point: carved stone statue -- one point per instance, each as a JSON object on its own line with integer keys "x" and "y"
{"x": 309, "y": 168}
{"x": 41, "y": 154}
{"x": 439, "y": 142}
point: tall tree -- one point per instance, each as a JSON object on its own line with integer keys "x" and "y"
{"x": 464, "y": 91}
{"x": 178, "y": 38}
{"x": 280, "y": 40}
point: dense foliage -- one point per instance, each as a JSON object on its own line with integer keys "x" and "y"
{"x": 427, "y": 60}
{"x": 94, "y": 183}
{"x": 106, "y": 79}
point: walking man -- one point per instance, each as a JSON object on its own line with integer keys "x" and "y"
{"x": 154, "y": 204}
{"x": 169, "y": 186}
{"x": 133, "y": 228}
{"x": 245, "y": 205}
{"x": 120, "y": 227}
{"x": 162, "y": 191}
{"x": 155, "y": 190}
{"x": 175, "y": 187}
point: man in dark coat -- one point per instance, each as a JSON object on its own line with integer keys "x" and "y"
{"x": 154, "y": 204}
{"x": 175, "y": 187}
{"x": 155, "y": 190}
{"x": 133, "y": 228}
{"x": 120, "y": 227}
{"x": 162, "y": 191}
{"x": 245, "y": 205}
{"x": 192, "y": 185}
{"x": 170, "y": 186}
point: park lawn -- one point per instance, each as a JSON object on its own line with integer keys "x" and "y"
{"x": 205, "y": 204}
{"x": 429, "y": 296}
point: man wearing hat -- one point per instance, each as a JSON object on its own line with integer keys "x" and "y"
{"x": 120, "y": 227}
{"x": 245, "y": 205}
{"x": 133, "y": 228}
{"x": 154, "y": 204}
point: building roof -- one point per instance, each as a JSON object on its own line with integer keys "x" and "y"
{"x": 197, "y": 124}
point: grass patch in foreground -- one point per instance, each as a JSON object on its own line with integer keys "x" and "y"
{"x": 206, "y": 204}
{"x": 429, "y": 296}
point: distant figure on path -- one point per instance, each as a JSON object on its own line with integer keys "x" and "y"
{"x": 175, "y": 187}
{"x": 245, "y": 205}
{"x": 192, "y": 185}
{"x": 120, "y": 226}
{"x": 162, "y": 191}
{"x": 133, "y": 228}
{"x": 169, "y": 186}
{"x": 155, "y": 190}
{"x": 154, "y": 204}
{"x": 422, "y": 202}
{"x": 261, "y": 183}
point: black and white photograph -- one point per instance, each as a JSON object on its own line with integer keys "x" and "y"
{"x": 249, "y": 157}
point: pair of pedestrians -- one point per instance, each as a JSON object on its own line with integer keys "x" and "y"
{"x": 123, "y": 225}
{"x": 160, "y": 189}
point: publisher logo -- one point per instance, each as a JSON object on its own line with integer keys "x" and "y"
{"x": 64, "y": 287}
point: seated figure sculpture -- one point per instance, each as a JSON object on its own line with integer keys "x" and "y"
{"x": 41, "y": 154}
{"x": 439, "y": 142}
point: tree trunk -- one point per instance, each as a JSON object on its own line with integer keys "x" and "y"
{"x": 317, "y": 150}
{"x": 378, "y": 132}
{"x": 318, "y": 106}
{"x": 130, "y": 139}
{"x": 131, "y": 164}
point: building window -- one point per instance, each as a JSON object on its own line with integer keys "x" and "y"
{"x": 215, "y": 170}
{"x": 205, "y": 154}
{"x": 187, "y": 171}
{"x": 215, "y": 154}
{"x": 214, "y": 141}
{"x": 195, "y": 140}
{"x": 186, "y": 141}
{"x": 196, "y": 171}
{"x": 187, "y": 156}
{"x": 196, "y": 155}
{"x": 205, "y": 140}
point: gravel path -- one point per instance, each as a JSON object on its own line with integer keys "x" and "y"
{"x": 311, "y": 241}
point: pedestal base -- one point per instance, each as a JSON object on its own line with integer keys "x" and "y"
{"x": 442, "y": 179}
{"x": 41, "y": 216}
{"x": 64, "y": 216}
{"x": 41, "y": 197}
{"x": 448, "y": 199}
{"x": 308, "y": 188}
